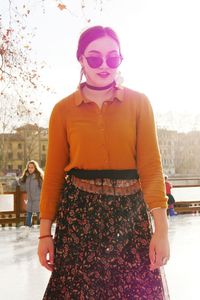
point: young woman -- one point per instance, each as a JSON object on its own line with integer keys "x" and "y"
{"x": 31, "y": 182}
{"x": 104, "y": 138}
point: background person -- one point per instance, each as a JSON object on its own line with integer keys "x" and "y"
{"x": 171, "y": 200}
{"x": 103, "y": 136}
{"x": 31, "y": 183}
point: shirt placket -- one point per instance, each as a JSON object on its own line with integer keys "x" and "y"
{"x": 101, "y": 125}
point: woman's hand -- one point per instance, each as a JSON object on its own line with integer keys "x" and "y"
{"x": 159, "y": 252}
{"x": 46, "y": 246}
{"x": 46, "y": 253}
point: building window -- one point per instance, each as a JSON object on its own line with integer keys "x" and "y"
{"x": 9, "y": 146}
{"x": 43, "y": 148}
{"x": 19, "y": 146}
{"x": 43, "y": 160}
{"x": 10, "y": 155}
{"x": 10, "y": 167}
{"x": 19, "y": 155}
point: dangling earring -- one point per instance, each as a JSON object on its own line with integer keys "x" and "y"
{"x": 119, "y": 80}
{"x": 81, "y": 75}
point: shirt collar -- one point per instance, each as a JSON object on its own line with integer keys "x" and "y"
{"x": 79, "y": 97}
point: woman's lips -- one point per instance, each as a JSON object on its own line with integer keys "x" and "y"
{"x": 103, "y": 74}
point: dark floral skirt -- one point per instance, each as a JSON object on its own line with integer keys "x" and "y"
{"x": 102, "y": 249}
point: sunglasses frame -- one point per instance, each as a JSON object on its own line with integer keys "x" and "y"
{"x": 102, "y": 60}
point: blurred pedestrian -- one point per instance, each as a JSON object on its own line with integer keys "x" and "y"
{"x": 31, "y": 183}
{"x": 171, "y": 200}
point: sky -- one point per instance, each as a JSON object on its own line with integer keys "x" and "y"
{"x": 160, "y": 45}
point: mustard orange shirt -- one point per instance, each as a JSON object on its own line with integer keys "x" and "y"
{"x": 120, "y": 135}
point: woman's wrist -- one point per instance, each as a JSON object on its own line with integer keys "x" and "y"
{"x": 160, "y": 221}
{"x": 45, "y": 227}
{"x": 45, "y": 236}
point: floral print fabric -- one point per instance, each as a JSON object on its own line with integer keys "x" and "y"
{"x": 101, "y": 249}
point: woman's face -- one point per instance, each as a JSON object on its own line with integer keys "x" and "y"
{"x": 104, "y": 48}
{"x": 31, "y": 168}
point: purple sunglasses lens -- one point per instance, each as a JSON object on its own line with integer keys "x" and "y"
{"x": 114, "y": 61}
{"x": 94, "y": 61}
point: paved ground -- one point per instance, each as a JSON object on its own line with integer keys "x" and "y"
{"x": 22, "y": 278}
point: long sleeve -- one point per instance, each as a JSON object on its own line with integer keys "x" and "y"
{"x": 148, "y": 157}
{"x": 57, "y": 159}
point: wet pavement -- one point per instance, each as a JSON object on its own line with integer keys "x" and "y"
{"x": 22, "y": 277}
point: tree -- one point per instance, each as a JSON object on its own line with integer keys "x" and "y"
{"x": 19, "y": 73}
{"x": 84, "y": 5}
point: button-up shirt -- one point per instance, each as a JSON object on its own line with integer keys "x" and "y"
{"x": 121, "y": 135}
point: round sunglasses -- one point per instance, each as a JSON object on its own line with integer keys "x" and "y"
{"x": 96, "y": 61}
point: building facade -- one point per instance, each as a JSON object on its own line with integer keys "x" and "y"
{"x": 16, "y": 149}
{"x": 187, "y": 158}
{"x": 167, "y": 142}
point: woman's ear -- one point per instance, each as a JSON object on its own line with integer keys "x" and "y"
{"x": 81, "y": 60}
